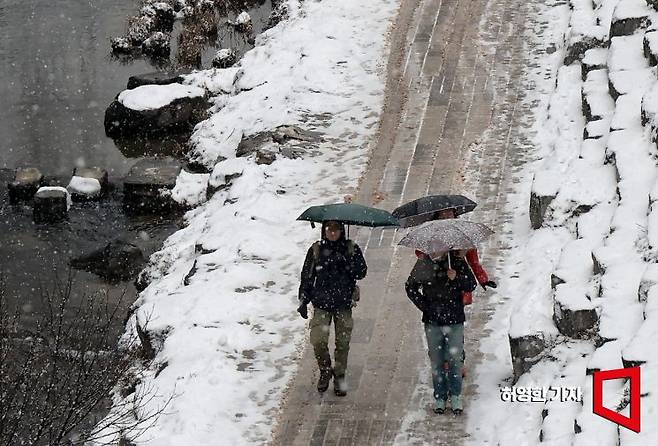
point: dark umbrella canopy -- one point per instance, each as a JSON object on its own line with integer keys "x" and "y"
{"x": 423, "y": 209}
{"x": 350, "y": 214}
{"x": 440, "y": 236}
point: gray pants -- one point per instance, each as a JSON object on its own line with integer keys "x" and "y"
{"x": 320, "y": 326}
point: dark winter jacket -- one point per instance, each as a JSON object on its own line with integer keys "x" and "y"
{"x": 329, "y": 283}
{"x": 439, "y": 298}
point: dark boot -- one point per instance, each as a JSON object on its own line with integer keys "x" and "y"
{"x": 325, "y": 377}
{"x": 340, "y": 386}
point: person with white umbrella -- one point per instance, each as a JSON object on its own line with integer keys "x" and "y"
{"x": 435, "y": 287}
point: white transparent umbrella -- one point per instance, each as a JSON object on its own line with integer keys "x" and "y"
{"x": 439, "y": 236}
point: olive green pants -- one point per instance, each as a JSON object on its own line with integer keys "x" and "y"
{"x": 320, "y": 326}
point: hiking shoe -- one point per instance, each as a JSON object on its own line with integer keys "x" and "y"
{"x": 439, "y": 406}
{"x": 456, "y": 405}
{"x": 323, "y": 382}
{"x": 340, "y": 386}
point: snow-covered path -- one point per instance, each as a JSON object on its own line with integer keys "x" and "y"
{"x": 463, "y": 128}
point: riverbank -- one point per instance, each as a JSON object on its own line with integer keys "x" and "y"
{"x": 221, "y": 298}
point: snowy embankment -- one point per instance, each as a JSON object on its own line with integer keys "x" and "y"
{"x": 584, "y": 280}
{"x": 219, "y": 310}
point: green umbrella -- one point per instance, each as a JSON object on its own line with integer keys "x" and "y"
{"x": 350, "y": 214}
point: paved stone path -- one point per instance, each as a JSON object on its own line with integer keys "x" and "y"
{"x": 453, "y": 103}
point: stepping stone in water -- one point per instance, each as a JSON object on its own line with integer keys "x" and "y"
{"x": 51, "y": 204}
{"x": 83, "y": 189}
{"x": 145, "y": 182}
{"x": 88, "y": 183}
{"x": 26, "y": 183}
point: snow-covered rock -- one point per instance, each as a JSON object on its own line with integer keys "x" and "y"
{"x": 191, "y": 189}
{"x": 651, "y": 47}
{"x": 225, "y": 171}
{"x": 51, "y": 204}
{"x": 593, "y": 59}
{"x": 157, "y": 45}
{"x": 243, "y": 22}
{"x": 224, "y": 58}
{"x": 597, "y": 103}
{"x": 628, "y": 17}
{"x": 121, "y": 45}
{"x": 624, "y": 82}
{"x": 152, "y": 97}
{"x": 649, "y": 112}
{"x": 155, "y": 108}
{"x": 139, "y": 29}
{"x": 627, "y": 53}
{"x": 82, "y": 188}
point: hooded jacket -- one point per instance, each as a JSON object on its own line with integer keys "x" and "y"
{"x": 439, "y": 298}
{"x": 329, "y": 283}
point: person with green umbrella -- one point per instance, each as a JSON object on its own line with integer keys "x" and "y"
{"x": 328, "y": 281}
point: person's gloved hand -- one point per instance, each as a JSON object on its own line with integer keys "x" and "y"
{"x": 303, "y": 310}
{"x": 490, "y": 284}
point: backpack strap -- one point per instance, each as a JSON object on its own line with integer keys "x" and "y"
{"x": 351, "y": 248}
{"x": 316, "y": 252}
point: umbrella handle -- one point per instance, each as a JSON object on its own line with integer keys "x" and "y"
{"x": 449, "y": 266}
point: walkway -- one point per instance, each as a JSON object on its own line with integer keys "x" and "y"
{"x": 452, "y": 103}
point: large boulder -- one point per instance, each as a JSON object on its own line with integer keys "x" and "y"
{"x": 118, "y": 260}
{"x": 155, "y": 109}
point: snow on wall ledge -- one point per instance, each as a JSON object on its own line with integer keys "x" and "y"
{"x": 221, "y": 301}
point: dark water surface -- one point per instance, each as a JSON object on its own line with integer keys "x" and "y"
{"x": 56, "y": 79}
